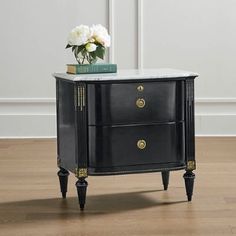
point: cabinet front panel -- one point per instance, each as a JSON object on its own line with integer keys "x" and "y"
{"x": 127, "y": 103}
{"x": 136, "y": 145}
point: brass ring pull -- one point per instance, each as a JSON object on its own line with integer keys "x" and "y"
{"x": 141, "y": 144}
{"x": 140, "y": 103}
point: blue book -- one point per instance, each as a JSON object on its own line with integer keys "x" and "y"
{"x": 91, "y": 68}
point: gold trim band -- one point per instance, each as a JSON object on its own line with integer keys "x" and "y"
{"x": 81, "y": 172}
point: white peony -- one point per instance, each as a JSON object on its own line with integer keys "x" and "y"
{"x": 90, "y": 47}
{"x": 79, "y": 35}
{"x": 100, "y": 34}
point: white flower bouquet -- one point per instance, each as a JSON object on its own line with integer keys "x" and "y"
{"x": 88, "y": 43}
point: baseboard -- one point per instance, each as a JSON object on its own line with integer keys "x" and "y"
{"x": 215, "y": 125}
{"x": 28, "y": 125}
{"x": 28, "y": 137}
{"x": 27, "y": 117}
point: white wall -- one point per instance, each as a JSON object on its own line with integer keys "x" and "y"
{"x": 186, "y": 34}
{"x": 33, "y": 40}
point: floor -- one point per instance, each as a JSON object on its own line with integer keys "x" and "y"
{"x": 30, "y": 202}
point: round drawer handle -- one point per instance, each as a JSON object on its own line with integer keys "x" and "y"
{"x": 141, "y": 144}
{"x": 140, "y": 103}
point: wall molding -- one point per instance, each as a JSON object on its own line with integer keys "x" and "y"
{"x": 140, "y": 34}
{"x": 111, "y": 30}
{"x": 215, "y": 100}
{"x": 53, "y": 100}
{"x": 27, "y": 106}
{"x": 27, "y": 100}
{"x": 36, "y": 117}
{"x": 215, "y": 106}
{"x": 46, "y": 106}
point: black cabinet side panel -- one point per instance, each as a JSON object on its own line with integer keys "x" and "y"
{"x": 66, "y": 130}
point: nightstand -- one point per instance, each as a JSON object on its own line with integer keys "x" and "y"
{"x": 133, "y": 121}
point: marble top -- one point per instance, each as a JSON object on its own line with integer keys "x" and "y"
{"x": 162, "y": 73}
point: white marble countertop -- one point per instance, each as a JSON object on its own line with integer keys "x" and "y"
{"x": 121, "y": 75}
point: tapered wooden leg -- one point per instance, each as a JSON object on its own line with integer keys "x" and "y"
{"x": 165, "y": 179}
{"x": 189, "y": 177}
{"x": 63, "y": 178}
{"x": 81, "y": 186}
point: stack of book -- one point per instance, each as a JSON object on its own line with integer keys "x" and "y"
{"x": 91, "y": 68}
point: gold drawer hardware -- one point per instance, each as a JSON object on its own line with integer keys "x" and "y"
{"x": 140, "y": 88}
{"x": 140, "y": 103}
{"x": 141, "y": 144}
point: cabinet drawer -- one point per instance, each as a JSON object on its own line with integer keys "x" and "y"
{"x": 135, "y": 102}
{"x": 136, "y": 145}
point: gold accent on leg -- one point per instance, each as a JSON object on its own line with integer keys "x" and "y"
{"x": 191, "y": 165}
{"x": 81, "y": 172}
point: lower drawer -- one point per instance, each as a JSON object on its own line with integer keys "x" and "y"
{"x": 136, "y": 145}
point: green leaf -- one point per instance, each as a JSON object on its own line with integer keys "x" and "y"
{"x": 83, "y": 52}
{"x": 81, "y": 47}
{"x": 68, "y": 46}
{"x": 100, "y": 52}
{"x": 93, "y": 54}
{"x": 77, "y": 49}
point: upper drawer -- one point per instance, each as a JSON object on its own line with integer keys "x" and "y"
{"x": 135, "y": 102}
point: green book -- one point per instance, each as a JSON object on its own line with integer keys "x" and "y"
{"x": 91, "y": 68}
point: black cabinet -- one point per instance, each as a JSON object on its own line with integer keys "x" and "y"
{"x": 129, "y": 122}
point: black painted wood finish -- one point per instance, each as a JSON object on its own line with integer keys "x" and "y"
{"x": 114, "y": 104}
{"x": 63, "y": 179}
{"x": 81, "y": 186}
{"x": 189, "y": 177}
{"x": 117, "y": 145}
{"x": 165, "y": 179}
{"x": 106, "y": 128}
